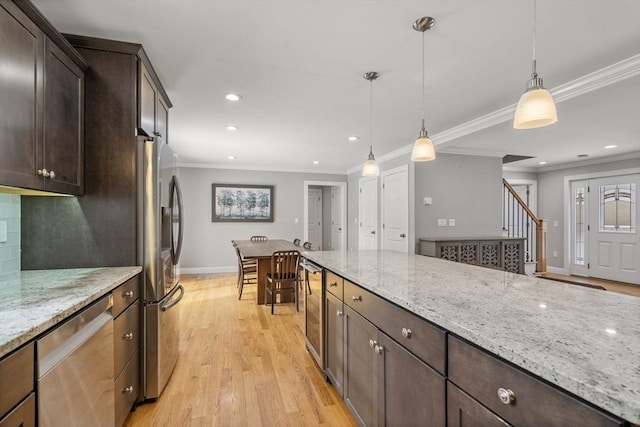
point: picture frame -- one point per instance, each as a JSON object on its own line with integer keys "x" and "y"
{"x": 241, "y": 203}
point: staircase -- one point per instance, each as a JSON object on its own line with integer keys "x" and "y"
{"x": 519, "y": 221}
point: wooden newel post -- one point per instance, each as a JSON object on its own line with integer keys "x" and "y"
{"x": 541, "y": 247}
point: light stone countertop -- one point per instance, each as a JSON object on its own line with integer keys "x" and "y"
{"x": 559, "y": 332}
{"x": 33, "y": 301}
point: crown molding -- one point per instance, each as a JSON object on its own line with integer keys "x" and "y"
{"x": 255, "y": 168}
{"x": 598, "y": 79}
{"x": 573, "y": 164}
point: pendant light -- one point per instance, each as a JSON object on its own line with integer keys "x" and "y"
{"x": 423, "y": 150}
{"x": 536, "y": 107}
{"x": 370, "y": 167}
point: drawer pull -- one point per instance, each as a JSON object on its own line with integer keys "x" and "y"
{"x": 373, "y": 343}
{"x": 339, "y": 313}
{"x": 128, "y": 336}
{"x": 333, "y": 284}
{"x": 506, "y": 396}
{"x": 356, "y": 298}
{"x": 128, "y": 390}
{"x": 378, "y": 349}
{"x": 406, "y": 332}
{"x": 128, "y": 294}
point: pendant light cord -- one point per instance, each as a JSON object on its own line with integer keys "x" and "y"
{"x": 371, "y": 113}
{"x": 423, "y": 80}
{"x": 534, "y": 73}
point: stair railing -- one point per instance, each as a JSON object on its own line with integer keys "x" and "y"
{"x": 519, "y": 221}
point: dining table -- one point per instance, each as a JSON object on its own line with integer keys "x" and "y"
{"x": 262, "y": 252}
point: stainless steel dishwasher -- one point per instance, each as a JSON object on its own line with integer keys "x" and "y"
{"x": 75, "y": 370}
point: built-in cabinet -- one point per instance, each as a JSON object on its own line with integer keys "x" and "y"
{"x": 17, "y": 394}
{"x": 154, "y": 109}
{"x": 393, "y": 368}
{"x": 42, "y": 104}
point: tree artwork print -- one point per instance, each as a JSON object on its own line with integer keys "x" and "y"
{"x": 242, "y": 203}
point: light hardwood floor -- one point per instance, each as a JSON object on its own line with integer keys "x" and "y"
{"x": 241, "y": 366}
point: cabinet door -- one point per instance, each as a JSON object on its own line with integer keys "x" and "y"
{"x": 463, "y": 410}
{"x": 64, "y": 118}
{"x": 334, "y": 344}
{"x": 410, "y": 392}
{"x": 148, "y": 102}
{"x": 360, "y": 368}
{"x": 21, "y": 97}
{"x": 162, "y": 127}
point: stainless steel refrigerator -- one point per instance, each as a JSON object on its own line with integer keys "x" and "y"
{"x": 160, "y": 230}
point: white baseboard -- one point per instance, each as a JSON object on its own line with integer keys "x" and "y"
{"x": 557, "y": 270}
{"x": 209, "y": 270}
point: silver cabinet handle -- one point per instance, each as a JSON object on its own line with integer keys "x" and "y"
{"x": 128, "y": 336}
{"x": 52, "y": 174}
{"x": 373, "y": 343}
{"x": 43, "y": 172}
{"x": 506, "y": 396}
{"x": 127, "y": 294}
{"x": 378, "y": 349}
{"x": 406, "y": 332}
{"x": 356, "y": 298}
{"x": 128, "y": 389}
{"x": 338, "y": 313}
{"x": 40, "y": 172}
{"x": 333, "y": 284}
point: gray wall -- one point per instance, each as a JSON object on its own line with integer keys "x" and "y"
{"x": 207, "y": 245}
{"x": 10, "y": 250}
{"x": 465, "y": 188}
{"x": 551, "y": 201}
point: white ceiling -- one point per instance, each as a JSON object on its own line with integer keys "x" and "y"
{"x": 299, "y": 64}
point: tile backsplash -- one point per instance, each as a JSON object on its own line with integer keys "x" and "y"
{"x": 9, "y": 233}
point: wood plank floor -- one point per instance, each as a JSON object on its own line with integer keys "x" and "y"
{"x": 241, "y": 366}
{"x": 609, "y": 285}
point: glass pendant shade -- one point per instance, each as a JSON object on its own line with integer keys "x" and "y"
{"x": 535, "y": 109}
{"x": 370, "y": 167}
{"x": 423, "y": 150}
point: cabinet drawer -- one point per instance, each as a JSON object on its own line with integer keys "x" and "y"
{"x": 16, "y": 377}
{"x": 125, "y": 335}
{"x": 23, "y": 416}
{"x": 535, "y": 402}
{"x": 124, "y": 295}
{"x": 126, "y": 390}
{"x": 463, "y": 410}
{"x": 423, "y": 339}
{"x": 334, "y": 284}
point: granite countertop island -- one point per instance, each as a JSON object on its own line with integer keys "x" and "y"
{"x": 583, "y": 340}
{"x": 33, "y": 301}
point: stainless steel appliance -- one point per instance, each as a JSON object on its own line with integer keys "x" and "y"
{"x": 313, "y": 311}
{"x": 75, "y": 370}
{"x": 161, "y": 226}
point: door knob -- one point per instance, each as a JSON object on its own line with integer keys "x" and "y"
{"x": 373, "y": 232}
{"x": 403, "y": 235}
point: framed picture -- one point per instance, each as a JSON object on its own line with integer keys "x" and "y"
{"x": 242, "y": 203}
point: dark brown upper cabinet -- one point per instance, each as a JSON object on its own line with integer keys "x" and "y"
{"x": 154, "y": 108}
{"x": 42, "y": 103}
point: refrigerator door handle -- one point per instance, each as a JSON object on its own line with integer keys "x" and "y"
{"x": 177, "y": 195}
{"x": 166, "y": 302}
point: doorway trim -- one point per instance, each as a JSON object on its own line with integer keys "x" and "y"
{"x": 343, "y": 213}
{"x": 567, "y": 207}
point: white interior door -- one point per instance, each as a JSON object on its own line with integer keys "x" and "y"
{"x": 395, "y": 209}
{"x": 336, "y": 218}
{"x": 314, "y": 222}
{"x": 613, "y": 228}
{"x": 368, "y": 213}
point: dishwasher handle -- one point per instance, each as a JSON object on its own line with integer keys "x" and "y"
{"x": 66, "y": 338}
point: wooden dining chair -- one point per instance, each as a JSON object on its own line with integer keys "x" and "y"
{"x": 259, "y": 238}
{"x": 247, "y": 272}
{"x": 307, "y": 245}
{"x": 296, "y": 242}
{"x": 283, "y": 277}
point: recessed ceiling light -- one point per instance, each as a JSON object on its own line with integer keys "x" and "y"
{"x": 232, "y": 127}
{"x": 542, "y": 163}
{"x": 231, "y": 157}
{"x": 608, "y": 147}
{"x": 611, "y": 331}
{"x": 233, "y": 97}
{"x": 353, "y": 138}
{"x": 316, "y": 162}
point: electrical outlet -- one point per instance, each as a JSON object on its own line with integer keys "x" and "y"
{"x": 555, "y": 223}
{"x": 555, "y": 254}
{"x": 295, "y": 220}
{"x": 442, "y": 222}
{"x": 3, "y": 231}
{"x": 452, "y": 222}
{"x": 427, "y": 201}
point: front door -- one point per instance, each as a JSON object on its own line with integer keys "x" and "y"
{"x": 395, "y": 209}
{"x": 614, "y": 246}
{"x": 368, "y": 213}
{"x": 336, "y": 218}
{"x": 314, "y": 222}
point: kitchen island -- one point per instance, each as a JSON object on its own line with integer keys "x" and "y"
{"x": 580, "y": 340}
{"x": 33, "y": 301}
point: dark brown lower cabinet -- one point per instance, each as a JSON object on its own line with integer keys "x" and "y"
{"x": 464, "y": 411}
{"x": 386, "y": 385}
{"x": 334, "y": 345}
